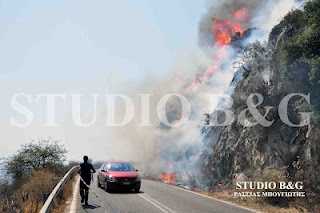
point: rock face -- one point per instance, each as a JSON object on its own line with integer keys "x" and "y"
{"x": 236, "y": 151}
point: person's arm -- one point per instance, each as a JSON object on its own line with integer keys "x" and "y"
{"x": 79, "y": 171}
{"x": 93, "y": 170}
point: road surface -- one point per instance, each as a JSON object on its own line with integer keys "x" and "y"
{"x": 153, "y": 197}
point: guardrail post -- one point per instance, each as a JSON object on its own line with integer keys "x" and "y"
{"x": 45, "y": 197}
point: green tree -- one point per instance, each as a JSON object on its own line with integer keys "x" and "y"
{"x": 297, "y": 39}
{"x": 34, "y": 156}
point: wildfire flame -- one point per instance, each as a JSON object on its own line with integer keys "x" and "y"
{"x": 169, "y": 177}
{"x": 223, "y": 31}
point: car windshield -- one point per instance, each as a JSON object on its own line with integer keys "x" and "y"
{"x": 120, "y": 167}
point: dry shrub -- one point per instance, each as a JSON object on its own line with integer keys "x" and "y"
{"x": 39, "y": 183}
{"x": 277, "y": 176}
{"x": 43, "y": 182}
{"x": 311, "y": 181}
{"x": 1, "y": 205}
{"x": 65, "y": 193}
{"x": 9, "y": 200}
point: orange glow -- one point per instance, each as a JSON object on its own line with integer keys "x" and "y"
{"x": 169, "y": 177}
{"x": 241, "y": 15}
{"x": 223, "y": 31}
{"x": 222, "y": 189}
{"x": 194, "y": 82}
{"x": 212, "y": 69}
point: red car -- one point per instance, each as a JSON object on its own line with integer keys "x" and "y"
{"x": 118, "y": 175}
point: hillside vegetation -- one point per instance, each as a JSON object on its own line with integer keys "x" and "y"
{"x": 292, "y": 60}
{"x": 32, "y": 173}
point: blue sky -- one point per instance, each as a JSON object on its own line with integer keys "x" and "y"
{"x": 82, "y": 46}
{"x": 100, "y": 46}
{"x": 66, "y": 40}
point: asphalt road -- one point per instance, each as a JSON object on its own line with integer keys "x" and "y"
{"x": 153, "y": 197}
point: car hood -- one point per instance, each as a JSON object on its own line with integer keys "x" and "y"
{"x": 132, "y": 174}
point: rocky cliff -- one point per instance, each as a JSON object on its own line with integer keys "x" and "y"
{"x": 288, "y": 63}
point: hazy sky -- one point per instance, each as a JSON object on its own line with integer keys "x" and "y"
{"x": 85, "y": 46}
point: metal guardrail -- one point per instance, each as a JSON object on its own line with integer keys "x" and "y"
{"x": 47, "y": 205}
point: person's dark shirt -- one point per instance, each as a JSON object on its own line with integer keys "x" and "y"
{"x": 85, "y": 171}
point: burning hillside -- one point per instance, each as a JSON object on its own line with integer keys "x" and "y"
{"x": 224, "y": 32}
{"x": 185, "y": 154}
{"x": 282, "y": 66}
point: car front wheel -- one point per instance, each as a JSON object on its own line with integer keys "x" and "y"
{"x": 137, "y": 189}
{"x": 106, "y": 186}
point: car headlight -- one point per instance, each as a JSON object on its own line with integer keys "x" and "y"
{"x": 138, "y": 179}
{"x": 112, "y": 179}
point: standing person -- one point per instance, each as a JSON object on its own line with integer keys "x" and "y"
{"x": 85, "y": 173}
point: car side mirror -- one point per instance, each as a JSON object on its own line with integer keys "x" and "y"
{"x": 102, "y": 170}
{"x": 136, "y": 170}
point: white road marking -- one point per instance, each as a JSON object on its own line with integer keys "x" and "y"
{"x": 213, "y": 198}
{"x": 163, "y": 206}
{"x": 73, "y": 207}
{"x": 157, "y": 204}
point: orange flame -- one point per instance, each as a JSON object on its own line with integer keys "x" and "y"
{"x": 223, "y": 31}
{"x": 212, "y": 69}
{"x": 169, "y": 177}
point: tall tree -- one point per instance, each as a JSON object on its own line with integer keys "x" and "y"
{"x": 34, "y": 156}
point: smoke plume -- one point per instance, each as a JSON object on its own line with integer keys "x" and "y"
{"x": 162, "y": 149}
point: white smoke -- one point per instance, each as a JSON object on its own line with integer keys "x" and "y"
{"x": 176, "y": 150}
{"x": 270, "y": 14}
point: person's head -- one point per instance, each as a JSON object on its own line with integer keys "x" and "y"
{"x": 85, "y": 159}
